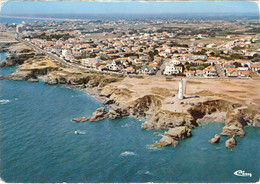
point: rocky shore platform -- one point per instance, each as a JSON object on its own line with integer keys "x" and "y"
{"x": 235, "y": 102}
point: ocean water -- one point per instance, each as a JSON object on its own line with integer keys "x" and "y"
{"x": 10, "y": 20}
{"x": 39, "y": 144}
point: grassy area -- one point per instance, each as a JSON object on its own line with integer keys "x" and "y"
{"x": 26, "y": 50}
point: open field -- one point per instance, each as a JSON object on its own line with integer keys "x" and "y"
{"x": 246, "y": 92}
{"x": 7, "y": 37}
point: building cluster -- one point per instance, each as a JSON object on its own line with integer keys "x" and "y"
{"x": 191, "y": 63}
{"x": 141, "y": 51}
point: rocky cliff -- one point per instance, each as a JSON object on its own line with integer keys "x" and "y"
{"x": 124, "y": 102}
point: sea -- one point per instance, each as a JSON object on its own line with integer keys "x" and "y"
{"x": 38, "y": 143}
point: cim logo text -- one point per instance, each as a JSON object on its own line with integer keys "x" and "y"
{"x": 242, "y": 173}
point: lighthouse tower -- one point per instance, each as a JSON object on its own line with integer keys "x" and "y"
{"x": 180, "y": 93}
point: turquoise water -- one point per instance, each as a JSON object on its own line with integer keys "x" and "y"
{"x": 38, "y": 143}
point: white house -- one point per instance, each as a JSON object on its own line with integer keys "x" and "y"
{"x": 210, "y": 71}
{"x": 175, "y": 61}
{"x": 88, "y": 61}
{"x": 65, "y": 52}
{"x": 172, "y": 69}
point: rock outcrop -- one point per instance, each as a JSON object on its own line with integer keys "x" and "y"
{"x": 232, "y": 142}
{"x": 82, "y": 119}
{"x": 19, "y": 60}
{"x": 166, "y": 140}
{"x": 217, "y": 116}
{"x": 116, "y": 113}
{"x": 166, "y": 119}
{"x": 98, "y": 115}
{"x": 172, "y": 136}
{"x": 201, "y": 109}
{"x": 215, "y": 139}
{"x": 232, "y": 129}
{"x": 19, "y": 76}
{"x": 145, "y": 107}
{"x": 256, "y": 121}
{"x": 50, "y": 80}
{"x": 179, "y": 133}
{"x": 109, "y": 102}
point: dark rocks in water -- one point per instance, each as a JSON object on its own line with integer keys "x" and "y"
{"x": 50, "y": 81}
{"x": 179, "y": 133}
{"x": 98, "y": 115}
{"x": 32, "y": 80}
{"x": 232, "y": 142}
{"x": 215, "y": 139}
{"x": 2, "y": 64}
{"x": 233, "y": 129}
{"x": 166, "y": 140}
{"x": 172, "y": 136}
{"x": 256, "y": 121}
{"x": 19, "y": 76}
{"x": 147, "y": 125}
{"x": 83, "y": 119}
{"x": 15, "y": 61}
{"x": 118, "y": 113}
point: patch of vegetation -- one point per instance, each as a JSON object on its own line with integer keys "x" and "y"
{"x": 92, "y": 55}
{"x": 54, "y": 36}
{"x": 82, "y": 57}
{"x": 26, "y": 50}
{"x": 103, "y": 58}
{"x": 130, "y": 54}
{"x": 152, "y": 54}
{"x": 193, "y": 66}
{"x": 42, "y": 64}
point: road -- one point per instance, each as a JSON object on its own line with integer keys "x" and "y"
{"x": 220, "y": 71}
{"x": 62, "y": 61}
{"x": 162, "y": 67}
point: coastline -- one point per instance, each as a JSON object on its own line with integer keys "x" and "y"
{"x": 150, "y": 100}
{"x": 40, "y": 18}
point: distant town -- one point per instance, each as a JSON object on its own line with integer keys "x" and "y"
{"x": 172, "y": 48}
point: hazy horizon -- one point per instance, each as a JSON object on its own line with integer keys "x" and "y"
{"x": 14, "y": 8}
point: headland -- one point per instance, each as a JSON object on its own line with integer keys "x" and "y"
{"x": 233, "y": 101}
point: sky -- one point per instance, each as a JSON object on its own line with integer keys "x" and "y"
{"x": 86, "y": 7}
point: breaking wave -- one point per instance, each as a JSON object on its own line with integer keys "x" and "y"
{"x": 3, "y": 101}
{"x": 127, "y": 153}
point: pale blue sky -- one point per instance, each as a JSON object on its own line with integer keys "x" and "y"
{"x": 46, "y": 7}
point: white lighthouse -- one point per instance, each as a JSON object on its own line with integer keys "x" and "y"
{"x": 180, "y": 93}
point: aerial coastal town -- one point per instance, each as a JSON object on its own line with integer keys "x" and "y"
{"x": 175, "y": 74}
{"x": 139, "y": 91}
{"x": 184, "y": 48}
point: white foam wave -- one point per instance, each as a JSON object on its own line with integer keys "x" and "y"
{"x": 127, "y": 153}
{"x": 125, "y": 126}
{"x": 79, "y": 132}
{"x": 142, "y": 172}
{"x": 16, "y": 99}
{"x": 3, "y": 101}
